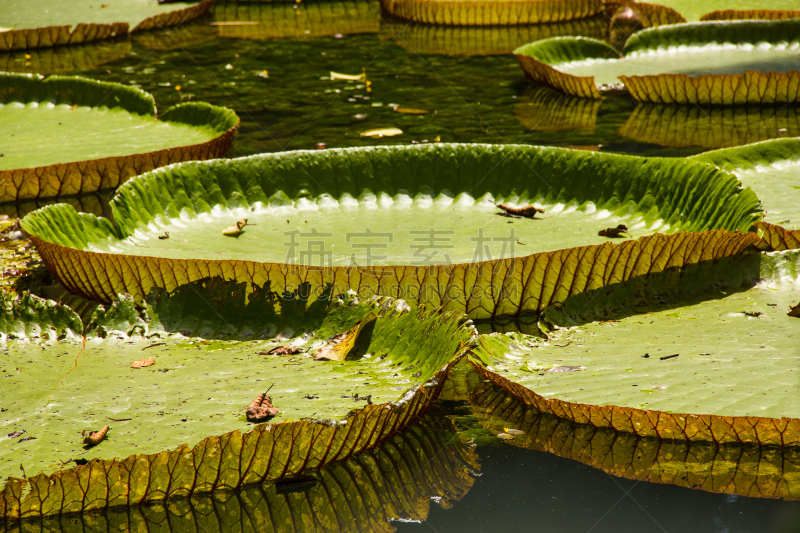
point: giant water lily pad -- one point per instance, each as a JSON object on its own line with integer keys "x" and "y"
{"x": 70, "y": 135}
{"x": 398, "y": 480}
{"x": 274, "y": 20}
{"x": 772, "y": 169}
{"x": 708, "y": 356}
{"x": 403, "y": 222}
{"x": 196, "y": 389}
{"x": 708, "y": 63}
{"x": 759, "y": 472}
{"x": 38, "y": 23}
{"x": 493, "y": 12}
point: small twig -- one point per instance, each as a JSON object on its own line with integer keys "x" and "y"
{"x": 119, "y": 419}
{"x": 153, "y": 345}
{"x": 270, "y": 388}
{"x": 670, "y": 356}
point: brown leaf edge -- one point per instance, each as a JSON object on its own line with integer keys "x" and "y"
{"x": 752, "y": 87}
{"x": 761, "y": 431}
{"x": 174, "y": 18}
{"x": 581, "y": 86}
{"x": 270, "y": 452}
{"x": 518, "y": 285}
{"x": 777, "y": 238}
{"x": 398, "y": 479}
{"x": 749, "y": 14}
{"x": 80, "y": 177}
{"x": 729, "y": 469}
{"x": 48, "y": 36}
{"x": 491, "y": 12}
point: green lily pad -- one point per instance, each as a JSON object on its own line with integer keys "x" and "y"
{"x": 302, "y": 20}
{"x": 695, "y": 11}
{"x": 772, "y": 170}
{"x": 70, "y": 135}
{"x": 758, "y": 472}
{"x": 41, "y": 23}
{"x": 398, "y": 480}
{"x": 197, "y": 387}
{"x": 312, "y": 217}
{"x": 679, "y": 360}
{"x": 708, "y": 63}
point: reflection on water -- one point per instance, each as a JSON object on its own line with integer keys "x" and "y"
{"x": 94, "y": 203}
{"x": 483, "y": 40}
{"x": 543, "y": 109}
{"x": 298, "y": 20}
{"x": 64, "y": 59}
{"x": 710, "y": 128}
{"x": 761, "y": 472}
{"x": 396, "y": 481}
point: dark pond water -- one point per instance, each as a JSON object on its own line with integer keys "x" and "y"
{"x": 283, "y": 92}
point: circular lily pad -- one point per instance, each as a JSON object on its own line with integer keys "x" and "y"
{"x": 43, "y": 23}
{"x": 417, "y": 222}
{"x": 720, "y": 63}
{"x": 732, "y": 9}
{"x": 64, "y": 136}
{"x": 710, "y": 355}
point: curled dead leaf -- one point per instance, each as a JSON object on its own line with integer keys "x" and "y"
{"x": 529, "y": 211}
{"x": 794, "y": 311}
{"x": 96, "y": 437}
{"x": 281, "y": 350}
{"x": 261, "y": 409}
{"x": 236, "y": 229}
{"x": 141, "y": 363}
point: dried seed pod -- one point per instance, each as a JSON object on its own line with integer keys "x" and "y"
{"x": 529, "y": 211}
{"x": 143, "y": 363}
{"x": 236, "y": 229}
{"x": 261, "y": 409}
{"x": 95, "y": 437}
{"x": 613, "y": 232}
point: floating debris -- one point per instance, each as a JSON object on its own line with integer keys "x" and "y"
{"x": 669, "y": 356}
{"x": 96, "y": 437}
{"x": 143, "y": 363}
{"x": 236, "y": 229}
{"x": 565, "y": 369}
{"x": 614, "y": 233}
{"x": 280, "y": 350}
{"x": 529, "y": 211}
{"x": 261, "y": 409}
{"x": 165, "y": 236}
{"x": 410, "y": 110}
{"x": 382, "y": 132}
